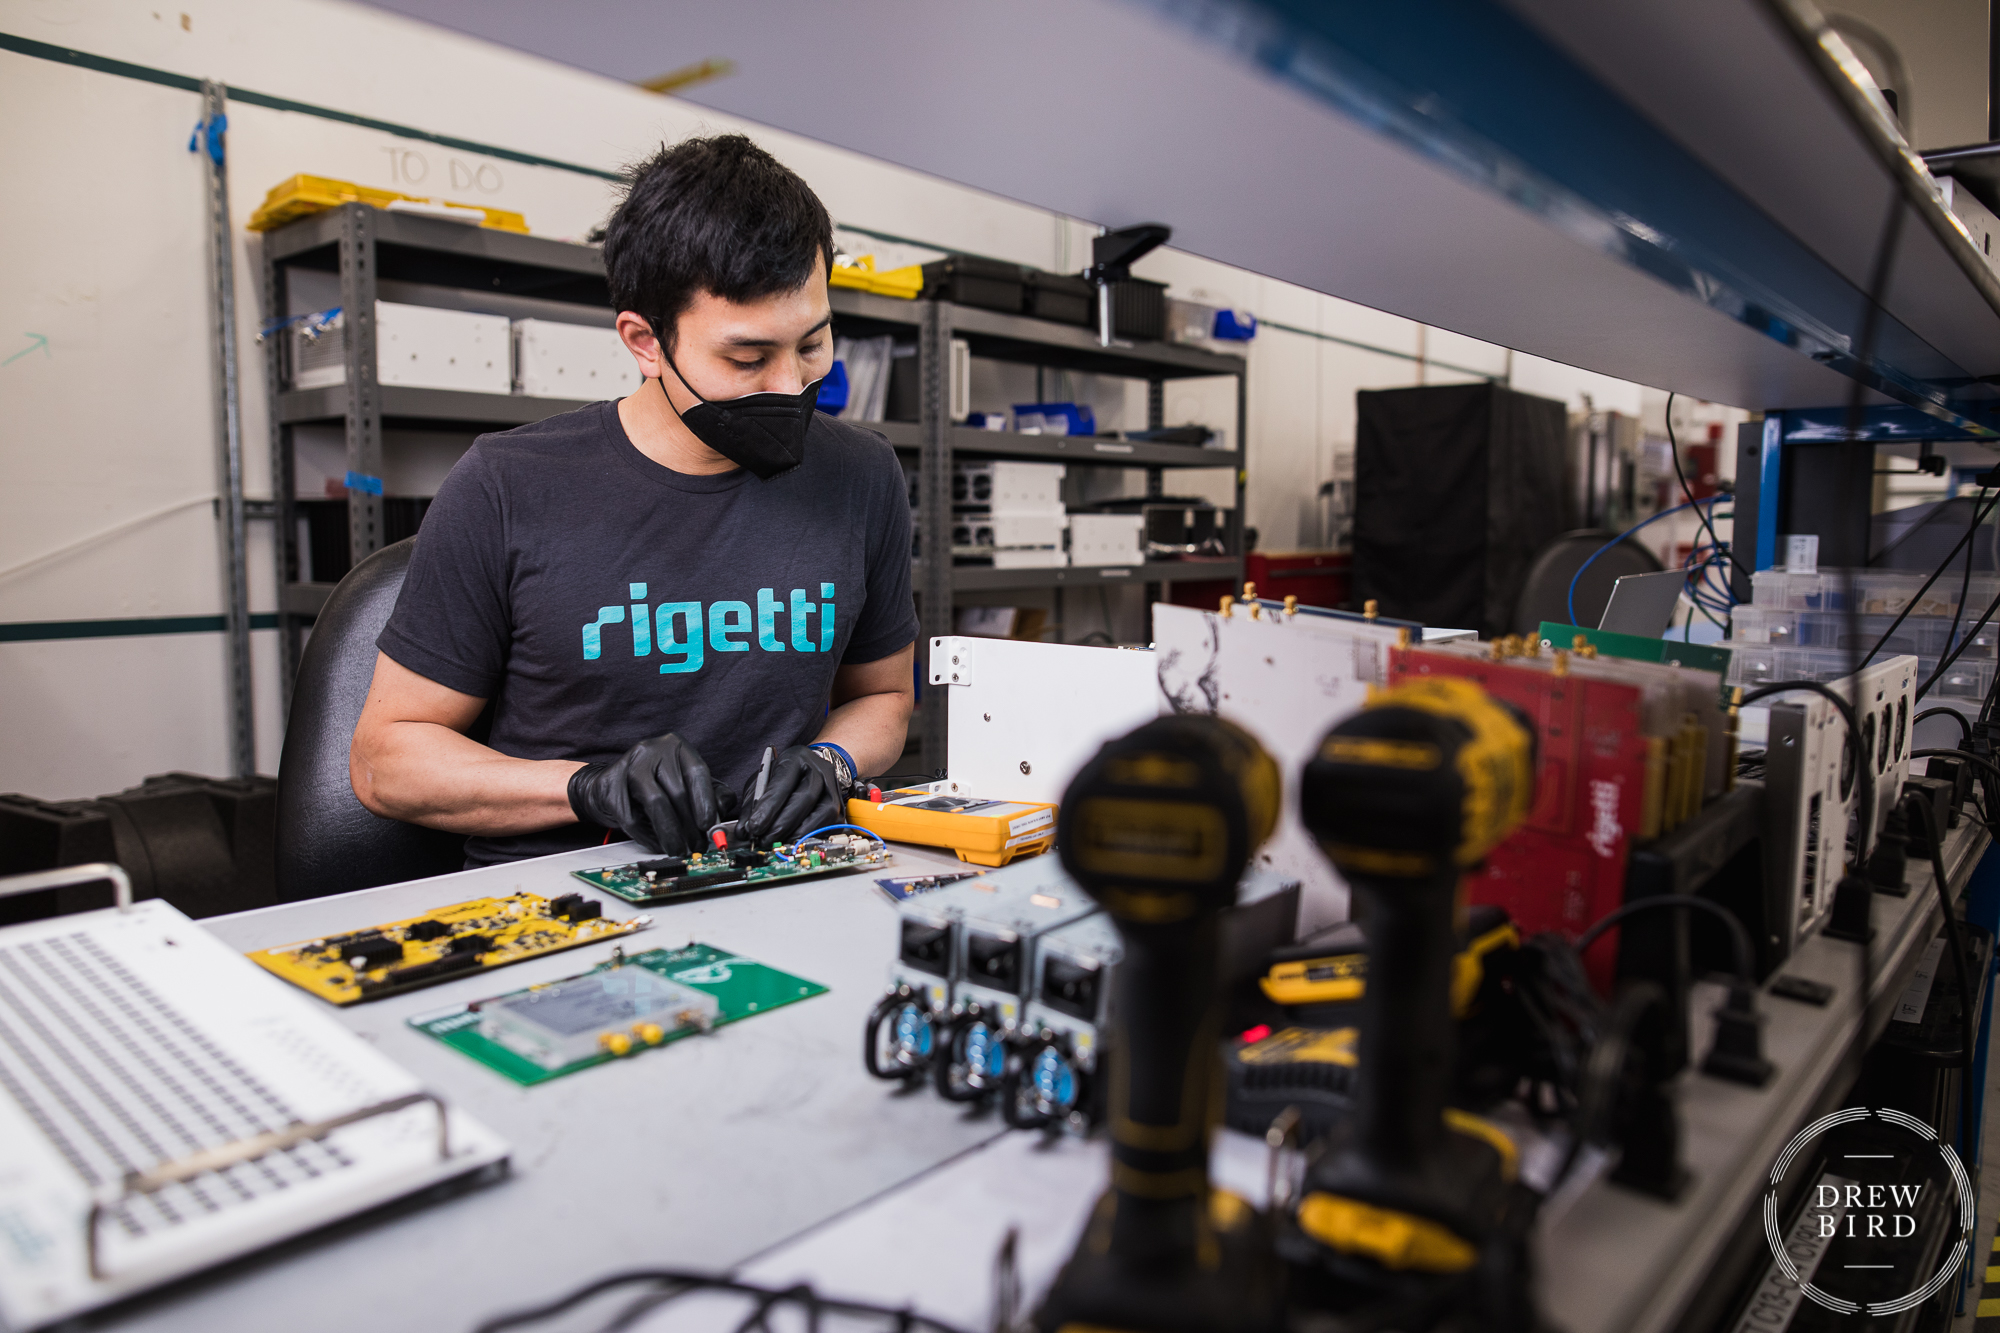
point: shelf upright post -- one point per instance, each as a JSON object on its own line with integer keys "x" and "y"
{"x": 364, "y": 395}
{"x": 229, "y": 431}
{"x": 934, "y": 463}
{"x": 284, "y": 484}
{"x": 1156, "y": 417}
{"x": 1237, "y": 526}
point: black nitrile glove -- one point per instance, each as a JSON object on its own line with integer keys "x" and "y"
{"x": 803, "y": 793}
{"x": 659, "y": 792}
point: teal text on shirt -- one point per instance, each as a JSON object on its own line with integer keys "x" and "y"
{"x": 688, "y": 631}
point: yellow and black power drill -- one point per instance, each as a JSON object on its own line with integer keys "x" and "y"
{"x": 1404, "y": 797}
{"x": 1158, "y": 828}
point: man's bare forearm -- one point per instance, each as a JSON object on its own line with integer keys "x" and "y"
{"x": 872, "y": 728}
{"x": 426, "y": 773}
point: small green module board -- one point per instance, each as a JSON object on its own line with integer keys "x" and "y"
{"x": 613, "y": 1011}
{"x": 667, "y": 878}
{"x": 1639, "y": 648}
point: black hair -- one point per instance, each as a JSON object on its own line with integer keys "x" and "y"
{"x": 717, "y": 215}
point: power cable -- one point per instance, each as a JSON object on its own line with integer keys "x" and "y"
{"x": 679, "y": 1282}
{"x": 1853, "y": 612}
{"x": 1965, "y": 728}
{"x": 1674, "y": 448}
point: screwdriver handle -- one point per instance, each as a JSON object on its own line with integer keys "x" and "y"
{"x": 1408, "y": 1040}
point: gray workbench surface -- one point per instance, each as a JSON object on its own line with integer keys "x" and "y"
{"x": 1609, "y": 1260}
{"x": 702, "y": 1154}
{"x": 1616, "y": 1261}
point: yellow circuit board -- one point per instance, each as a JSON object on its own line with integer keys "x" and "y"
{"x": 450, "y": 942}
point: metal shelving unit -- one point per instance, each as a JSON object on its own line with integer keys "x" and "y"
{"x": 939, "y": 443}
{"x": 431, "y": 407}
{"x": 366, "y": 247}
{"x": 1153, "y": 573}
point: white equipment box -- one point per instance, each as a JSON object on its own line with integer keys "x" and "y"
{"x": 1107, "y": 539}
{"x": 1975, "y": 217}
{"x": 416, "y": 347}
{"x": 1888, "y": 701}
{"x": 1009, "y": 530}
{"x": 1024, "y": 717}
{"x": 1031, "y": 557}
{"x": 166, "y": 1105}
{"x": 1015, "y": 488}
{"x": 1812, "y": 811}
{"x": 1806, "y": 831}
{"x": 1285, "y": 679}
{"x": 556, "y": 360}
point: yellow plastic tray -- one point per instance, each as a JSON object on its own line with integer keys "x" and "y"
{"x": 905, "y": 284}
{"x": 303, "y": 195}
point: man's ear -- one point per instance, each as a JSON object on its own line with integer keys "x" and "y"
{"x": 637, "y": 335}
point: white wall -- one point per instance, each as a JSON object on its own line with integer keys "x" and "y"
{"x": 108, "y": 435}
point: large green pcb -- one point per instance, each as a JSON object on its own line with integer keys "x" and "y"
{"x": 741, "y": 986}
{"x": 668, "y": 878}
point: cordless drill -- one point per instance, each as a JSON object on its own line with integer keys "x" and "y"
{"x": 1404, "y": 797}
{"x": 1158, "y": 828}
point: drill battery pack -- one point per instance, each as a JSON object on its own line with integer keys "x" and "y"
{"x": 1310, "y": 1068}
{"x": 1303, "y": 1052}
{"x": 982, "y": 832}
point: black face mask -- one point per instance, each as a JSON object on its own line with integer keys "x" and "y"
{"x": 764, "y": 433}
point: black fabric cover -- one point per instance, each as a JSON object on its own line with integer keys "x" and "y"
{"x": 1456, "y": 488}
{"x": 328, "y": 842}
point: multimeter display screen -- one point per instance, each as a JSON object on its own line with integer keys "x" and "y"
{"x": 952, "y": 805}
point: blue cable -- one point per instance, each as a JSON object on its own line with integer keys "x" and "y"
{"x": 830, "y": 827}
{"x": 1621, "y": 537}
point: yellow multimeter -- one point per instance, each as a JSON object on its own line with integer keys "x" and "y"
{"x": 983, "y": 832}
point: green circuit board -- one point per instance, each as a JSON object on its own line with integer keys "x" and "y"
{"x": 1637, "y": 647}
{"x": 667, "y": 878}
{"x": 742, "y": 987}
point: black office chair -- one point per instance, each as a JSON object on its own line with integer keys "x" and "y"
{"x": 1545, "y": 591}
{"x": 328, "y": 842}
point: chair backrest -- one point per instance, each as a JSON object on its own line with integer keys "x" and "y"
{"x": 1545, "y": 592}
{"x": 328, "y": 842}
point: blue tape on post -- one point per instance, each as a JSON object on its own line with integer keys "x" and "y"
{"x": 361, "y": 481}
{"x": 213, "y": 130}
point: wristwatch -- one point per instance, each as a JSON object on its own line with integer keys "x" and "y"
{"x": 843, "y": 763}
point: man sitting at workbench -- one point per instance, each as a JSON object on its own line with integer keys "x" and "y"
{"x": 650, "y": 592}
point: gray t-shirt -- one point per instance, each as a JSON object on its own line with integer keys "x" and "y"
{"x": 598, "y": 598}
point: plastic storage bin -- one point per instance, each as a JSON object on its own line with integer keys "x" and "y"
{"x": 1754, "y": 664}
{"x": 1876, "y": 591}
{"x": 1059, "y": 297}
{"x": 1927, "y": 637}
{"x": 1139, "y": 309}
{"x": 986, "y": 283}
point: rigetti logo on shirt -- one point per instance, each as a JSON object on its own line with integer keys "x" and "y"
{"x": 685, "y": 632}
